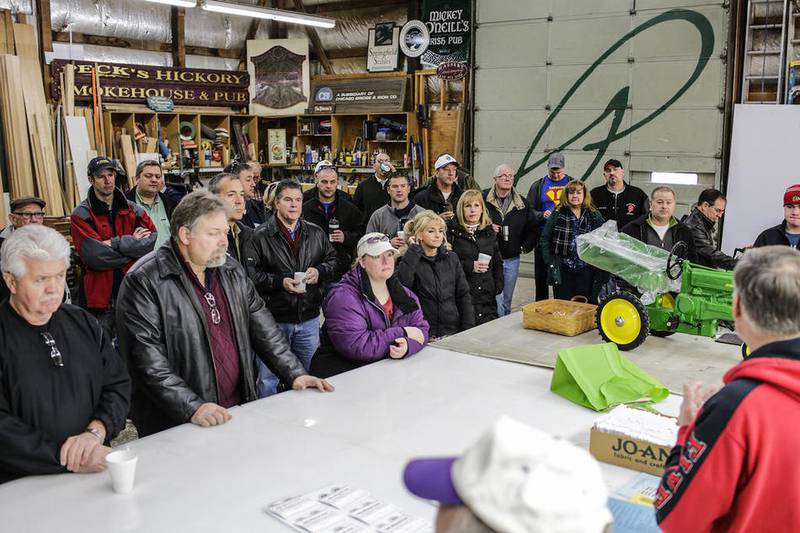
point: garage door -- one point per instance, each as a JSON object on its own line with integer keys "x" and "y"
{"x": 642, "y": 81}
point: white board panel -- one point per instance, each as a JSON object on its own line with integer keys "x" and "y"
{"x": 79, "y": 146}
{"x": 764, "y": 162}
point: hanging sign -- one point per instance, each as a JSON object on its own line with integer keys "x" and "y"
{"x": 449, "y": 23}
{"x": 361, "y": 95}
{"x": 137, "y": 83}
{"x": 384, "y": 45}
{"x": 279, "y": 70}
{"x": 414, "y": 38}
{"x": 452, "y": 71}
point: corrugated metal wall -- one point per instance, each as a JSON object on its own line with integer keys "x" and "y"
{"x": 553, "y": 74}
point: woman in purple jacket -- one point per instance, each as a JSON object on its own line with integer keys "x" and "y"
{"x": 369, "y": 315}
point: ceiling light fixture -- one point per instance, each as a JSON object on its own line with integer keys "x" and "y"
{"x": 179, "y": 3}
{"x": 280, "y": 15}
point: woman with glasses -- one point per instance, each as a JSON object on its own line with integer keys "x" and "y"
{"x": 574, "y": 215}
{"x": 369, "y": 315}
{"x": 434, "y": 274}
{"x": 475, "y": 243}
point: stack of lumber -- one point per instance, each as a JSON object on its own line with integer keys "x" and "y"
{"x": 15, "y": 128}
{"x": 40, "y": 130}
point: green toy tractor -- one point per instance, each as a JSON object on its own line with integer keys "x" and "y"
{"x": 683, "y": 297}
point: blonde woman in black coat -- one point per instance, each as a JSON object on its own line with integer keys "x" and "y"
{"x": 475, "y": 243}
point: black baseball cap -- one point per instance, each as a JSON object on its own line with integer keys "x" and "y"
{"x": 99, "y": 164}
{"x": 613, "y": 163}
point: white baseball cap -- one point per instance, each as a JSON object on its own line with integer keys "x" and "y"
{"x": 516, "y": 478}
{"x": 373, "y": 244}
{"x": 444, "y": 160}
{"x": 323, "y": 164}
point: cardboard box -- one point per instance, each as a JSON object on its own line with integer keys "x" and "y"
{"x": 622, "y": 450}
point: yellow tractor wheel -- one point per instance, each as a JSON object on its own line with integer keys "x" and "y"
{"x": 622, "y": 319}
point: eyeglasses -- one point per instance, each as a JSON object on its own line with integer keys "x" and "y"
{"x": 505, "y": 177}
{"x": 55, "y": 354}
{"x": 216, "y": 317}
{"x": 30, "y": 216}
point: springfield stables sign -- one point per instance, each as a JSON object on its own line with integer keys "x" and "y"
{"x": 135, "y": 83}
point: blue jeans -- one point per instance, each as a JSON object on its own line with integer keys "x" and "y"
{"x": 303, "y": 340}
{"x": 510, "y": 274}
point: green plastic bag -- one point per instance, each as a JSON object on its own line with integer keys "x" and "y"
{"x": 597, "y": 376}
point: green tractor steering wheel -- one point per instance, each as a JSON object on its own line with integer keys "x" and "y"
{"x": 675, "y": 260}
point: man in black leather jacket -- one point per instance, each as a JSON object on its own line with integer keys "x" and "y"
{"x": 289, "y": 260}
{"x": 190, "y": 320}
{"x": 702, "y": 221}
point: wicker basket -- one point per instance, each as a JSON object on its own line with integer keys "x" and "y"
{"x": 565, "y": 317}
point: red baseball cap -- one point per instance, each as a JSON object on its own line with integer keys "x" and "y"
{"x": 792, "y": 195}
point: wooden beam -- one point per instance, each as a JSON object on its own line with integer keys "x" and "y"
{"x": 251, "y": 34}
{"x": 150, "y": 46}
{"x": 350, "y": 5}
{"x": 315, "y": 40}
{"x": 178, "y": 23}
{"x": 6, "y": 32}
{"x": 45, "y": 37}
{"x": 345, "y": 53}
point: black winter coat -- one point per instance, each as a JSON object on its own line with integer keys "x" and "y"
{"x": 370, "y": 196}
{"x": 269, "y": 260}
{"x": 256, "y": 213}
{"x": 245, "y": 234}
{"x": 772, "y": 236}
{"x": 705, "y": 242}
{"x": 523, "y": 232}
{"x": 441, "y": 287}
{"x": 164, "y": 338}
{"x": 483, "y": 287}
{"x": 624, "y": 207}
{"x": 432, "y": 198}
{"x": 350, "y": 221}
{"x": 640, "y": 229}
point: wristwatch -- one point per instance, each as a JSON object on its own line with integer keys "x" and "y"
{"x": 96, "y": 432}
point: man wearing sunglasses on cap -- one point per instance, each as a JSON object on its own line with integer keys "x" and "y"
{"x": 189, "y": 323}
{"x": 64, "y": 390}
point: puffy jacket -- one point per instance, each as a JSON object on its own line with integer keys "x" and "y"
{"x": 521, "y": 222}
{"x": 164, "y": 338}
{"x": 772, "y": 236}
{"x": 91, "y": 223}
{"x": 483, "y": 287}
{"x": 678, "y": 232}
{"x": 350, "y": 220}
{"x": 269, "y": 260}
{"x": 441, "y": 287}
{"x": 624, "y": 207}
{"x": 357, "y": 331}
{"x": 431, "y": 197}
{"x": 734, "y": 468}
{"x": 705, "y": 242}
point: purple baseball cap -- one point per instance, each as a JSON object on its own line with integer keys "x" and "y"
{"x": 430, "y": 479}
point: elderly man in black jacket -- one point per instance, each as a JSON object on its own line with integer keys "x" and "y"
{"x": 64, "y": 391}
{"x": 289, "y": 259}
{"x": 190, "y": 320}
{"x": 515, "y": 223}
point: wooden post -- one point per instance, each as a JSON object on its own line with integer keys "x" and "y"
{"x": 6, "y": 32}
{"x": 45, "y": 31}
{"x": 315, "y": 40}
{"x": 178, "y": 22}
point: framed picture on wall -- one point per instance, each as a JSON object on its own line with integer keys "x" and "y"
{"x": 276, "y": 146}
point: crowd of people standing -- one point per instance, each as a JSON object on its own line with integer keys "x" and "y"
{"x": 216, "y": 299}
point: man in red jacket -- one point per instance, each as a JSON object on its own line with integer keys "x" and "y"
{"x": 109, "y": 233}
{"x": 734, "y": 467}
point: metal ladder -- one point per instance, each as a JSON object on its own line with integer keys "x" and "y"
{"x": 765, "y": 51}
